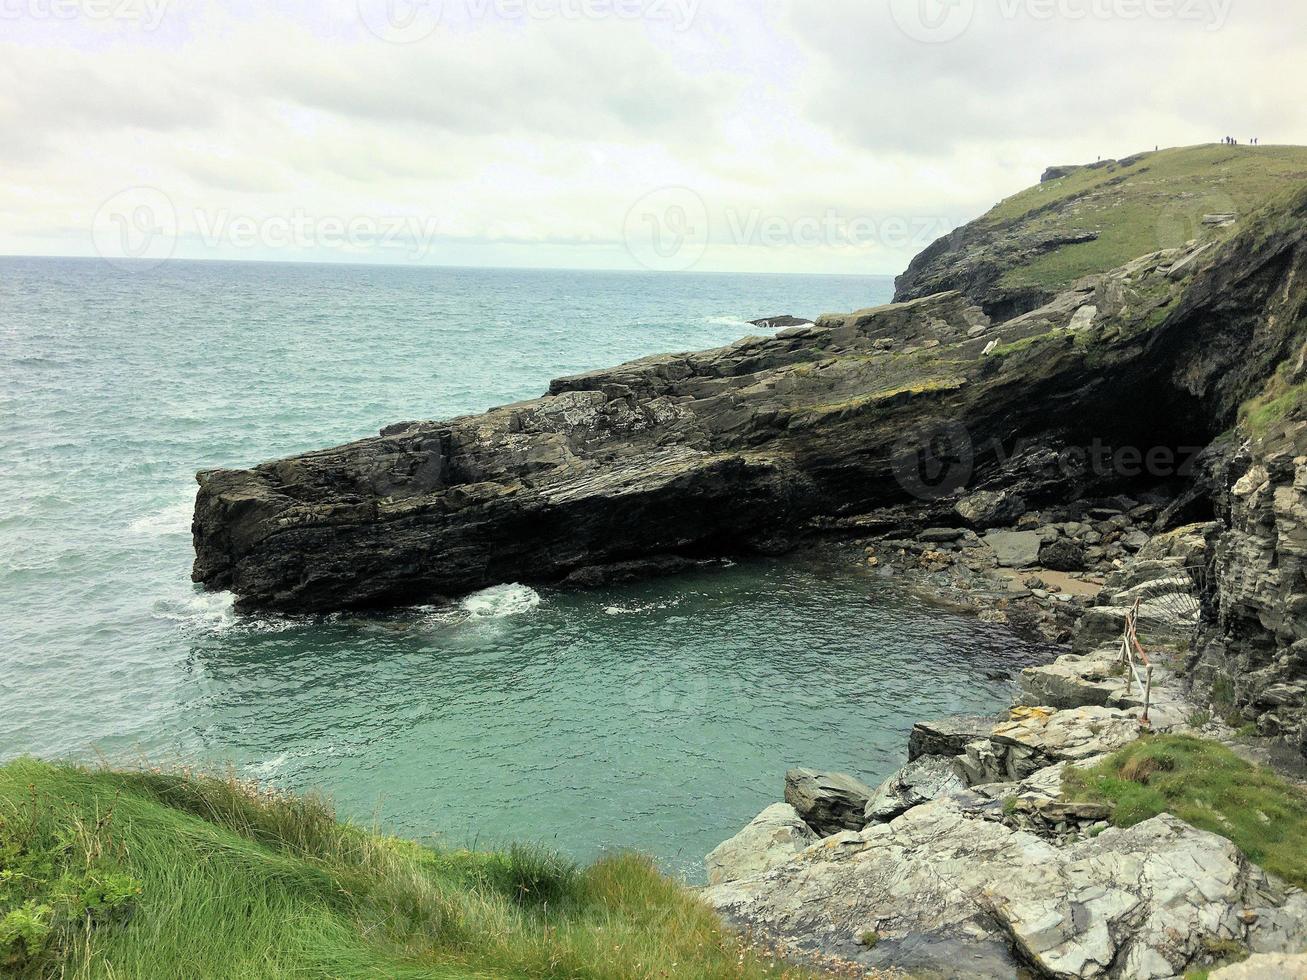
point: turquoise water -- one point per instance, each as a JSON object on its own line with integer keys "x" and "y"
{"x": 659, "y": 716}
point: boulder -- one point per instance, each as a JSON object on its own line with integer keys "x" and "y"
{"x": 774, "y": 836}
{"x": 949, "y": 736}
{"x": 953, "y": 895}
{"x": 1135, "y": 541}
{"x": 1063, "y": 555}
{"x": 1014, "y": 549}
{"x": 920, "y": 781}
{"x": 989, "y": 509}
{"x": 827, "y": 802}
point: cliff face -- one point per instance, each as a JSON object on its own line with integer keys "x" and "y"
{"x": 745, "y": 447}
{"x": 878, "y": 419}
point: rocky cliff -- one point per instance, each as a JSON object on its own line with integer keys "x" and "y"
{"x": 876, "y": 418}
{"x": 746, "y": 447}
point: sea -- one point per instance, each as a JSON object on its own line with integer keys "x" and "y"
{"x": 659, "y": 716}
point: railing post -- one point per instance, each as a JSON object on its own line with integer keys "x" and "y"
{"x": 1148, "y": 694}
{"x": 1126, "y": 657}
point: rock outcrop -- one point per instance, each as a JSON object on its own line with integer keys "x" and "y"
{"x": 1253, "y": 659}
{"x": 948, "y": 892}
{"x": 827, "y": 802}
{"x": 773, "y": 837}
{"x": 746, "y": 447}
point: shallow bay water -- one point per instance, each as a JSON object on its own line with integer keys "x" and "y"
{"x": 659, "y": 716}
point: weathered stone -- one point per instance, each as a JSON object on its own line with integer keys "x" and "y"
{"x": 1040, "y": 737}
{"x": 775, "y": 836}
{"x": 1138, "y": 903}
{"x": 1075, "y": 680}
{"x": 924, "y": 779}
{"x": 949, "y": 736}
{"x": 1014, "y": 549}
{"x": 989, "y": 509}
{"x": 827, "y": 802}
{"x": 1063, "y": 555}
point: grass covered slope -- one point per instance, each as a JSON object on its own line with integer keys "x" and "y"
{"x": 1099, "y": 217}
{"x": 1150, "y": 202}
{"x": 1208, "y": 786}
{"x": 147, "y": 874}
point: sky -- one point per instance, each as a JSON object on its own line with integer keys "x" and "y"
{"x": 813, "y": 136}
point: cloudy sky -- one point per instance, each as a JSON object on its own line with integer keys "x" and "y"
{"x": 752, "y": 135}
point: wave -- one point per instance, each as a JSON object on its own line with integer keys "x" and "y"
{"x": 500, "y": 601}
{"x": 175, "y": 519}
{"x": 725, "y": 320}
{"x": 641, "y": 607}
{"x": 209, "y": 612}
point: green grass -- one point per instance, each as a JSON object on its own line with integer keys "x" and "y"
{"x": 1280, "y": 399}
{"x": 1208, "y": 786}
{"x": 150, "y": 874}
{"x": 1157, "y": 202}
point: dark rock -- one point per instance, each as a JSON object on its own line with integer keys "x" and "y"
{"x": 827, "y": 802}
{"x": 949, "y": 736}
{"x": 597, "y": 576}
{"x": 779, "y": 322}
{"x": 941, "y": 535}
{"x": 752, "y": 446}
{"x": 990, "y": 509}
{"x": 1063, "y": 555}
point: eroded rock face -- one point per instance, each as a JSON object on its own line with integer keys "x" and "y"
{"x": 827, "y": 802}
{"x": 773, "y": 837}
{"x": 1144, "y": 902}
{"x": 1256, "y": 653}
{"x": 920, "y": 781}
{"x": 743, "y": 448}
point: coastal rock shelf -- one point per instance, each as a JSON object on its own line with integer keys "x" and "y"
{"x": 970, "y": 861}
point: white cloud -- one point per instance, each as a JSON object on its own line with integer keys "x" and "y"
{"x": 819, "y": 136}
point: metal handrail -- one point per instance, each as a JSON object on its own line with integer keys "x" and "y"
{"x": 1132, "y": 654}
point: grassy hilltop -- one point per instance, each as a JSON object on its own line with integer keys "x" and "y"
{"x": 147, "y": 875}
{"x": 1098, "y": 217}
{"x": 1152, "y": 201}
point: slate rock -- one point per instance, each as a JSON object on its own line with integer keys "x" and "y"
{"x": 827, "y": 802}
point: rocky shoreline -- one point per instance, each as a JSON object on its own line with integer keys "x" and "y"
{"x": 969, "y": 861}
{"x": 1031, "y": 432}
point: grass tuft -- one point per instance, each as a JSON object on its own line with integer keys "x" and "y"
{"x": 152, "y": 874}
{"x": 1208, "y": 786}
